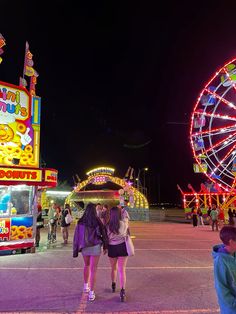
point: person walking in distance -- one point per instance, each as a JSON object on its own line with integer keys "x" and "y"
{"x": 117, "y": 230}
{"x": 90, "y": 237}
{"x": 224, "y": 256}
{"x": 53, "y": 216}
{"x": 65, "y": 226}
{"x": 209, "y": 215}
{"x": 234, "y": 217}
{"x": 221, "y": 217}
{"x": 58, "y": 209}
{"x": 200, "y": 217}
{"x": 194, "y": 216}
{"x": 230, "y": 216}
{"x": 39, "y": 225}
{"x": 214, "y": 217}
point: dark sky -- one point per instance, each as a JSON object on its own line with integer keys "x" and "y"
{"x": 114, "y": 76}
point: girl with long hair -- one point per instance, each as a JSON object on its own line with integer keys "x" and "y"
{"x": 117, "y": 230}
{"x": 65, "y": 226}
{"x": 89, "y": 238}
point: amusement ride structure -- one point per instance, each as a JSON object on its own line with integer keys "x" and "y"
{"x": 97, "y": 188}
{"x": 213, "y": 141}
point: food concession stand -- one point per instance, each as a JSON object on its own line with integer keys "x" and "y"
{"x": 20, "y": 175}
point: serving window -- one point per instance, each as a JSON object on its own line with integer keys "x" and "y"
{"x": 16, "y": 200}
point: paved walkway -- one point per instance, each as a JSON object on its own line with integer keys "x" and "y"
{"x": 170, "y": 273}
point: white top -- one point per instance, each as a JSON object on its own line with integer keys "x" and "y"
{"x": 114, "y": 238}
{"x": 124, "y": 214}
{"x": 52, "y": 213}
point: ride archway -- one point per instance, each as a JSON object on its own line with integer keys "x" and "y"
{"x": 97, "y": 188}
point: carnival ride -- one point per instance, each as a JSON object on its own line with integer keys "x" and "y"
{"x": 213, "y": 141}
{"x": 101, "y": 177}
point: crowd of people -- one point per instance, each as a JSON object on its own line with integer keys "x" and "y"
{"x": 56, "y": 218}
{"x": 214, "y": 217}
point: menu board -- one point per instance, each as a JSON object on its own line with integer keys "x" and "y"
{"x": 16, "y": 228}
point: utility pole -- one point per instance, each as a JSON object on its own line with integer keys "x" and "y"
{"x": 144, "y": 181}
{"x": 138, "y": 180}
{"x": 159, "y": 187}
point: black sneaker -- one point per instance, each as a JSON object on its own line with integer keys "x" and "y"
{"x": 122, "y": 295}
{"x": 113, "y": 287}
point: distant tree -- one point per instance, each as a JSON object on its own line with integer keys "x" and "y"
{"x": 57, "y": 198}
{"x": 62, "y": 186}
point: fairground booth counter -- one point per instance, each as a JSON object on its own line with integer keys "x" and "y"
{"x": 18, "y": 205}
{"x": 20, "y": 175}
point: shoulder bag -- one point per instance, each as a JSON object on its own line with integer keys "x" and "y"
{"x": 129, "y": 245}
{"x": 68, "y": 218}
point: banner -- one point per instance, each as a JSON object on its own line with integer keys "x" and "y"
{"x": 2, "y": 44}
{"x": 29, "y": 71}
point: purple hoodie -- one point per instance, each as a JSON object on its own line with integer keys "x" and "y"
{"x": 85, "y": 236}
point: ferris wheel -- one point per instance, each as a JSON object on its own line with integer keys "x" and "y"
{"x": 213, "y": 128}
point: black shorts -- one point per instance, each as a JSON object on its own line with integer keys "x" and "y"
{"x": 117, "y": 250}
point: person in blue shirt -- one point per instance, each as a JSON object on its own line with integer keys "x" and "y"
{"x": 4, "y": 201}
{"x": 224, "y": 257}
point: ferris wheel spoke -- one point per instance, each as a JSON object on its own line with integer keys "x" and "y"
{"x": 212, "y": 147}
{"x": 224, "y": 183}
{"x": 216, "y": 157}
{"x": 216, "y": 131}
{"x": 221, "y": 133}
{"x": 227, "y": 166}
{"x": 216, "y": 116}
{"x": 211, "y": 175}
{"x": 226, "y": 144}
{"x": 225, "y": 157}
{"x": 221, "y": 175}
{"x": 214, "y": 170}
{"x": 221, "y": 99}
{"x": 220, "y": 165}
{"x": 222, "y": 168}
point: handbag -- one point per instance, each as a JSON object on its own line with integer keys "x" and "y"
{"x": 52, "y": 221}
{"x": 129, "y": 245}
{"x": 39, "y": 224}
{"x": 68, "y": 218}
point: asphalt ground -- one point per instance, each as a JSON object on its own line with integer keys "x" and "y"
{"x": 171, "y": 272}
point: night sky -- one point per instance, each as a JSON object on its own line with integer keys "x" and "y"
{"x": 118, "y": 81}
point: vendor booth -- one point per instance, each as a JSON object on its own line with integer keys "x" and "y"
{"x": 20, "y": 174}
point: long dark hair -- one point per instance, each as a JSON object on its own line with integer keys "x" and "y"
{"x": 89, "y": 217}
{"x": 115, "y": 217}
{"x": 67, "y": 207}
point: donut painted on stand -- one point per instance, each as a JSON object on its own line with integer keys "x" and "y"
{"x": 6, "y": 133}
